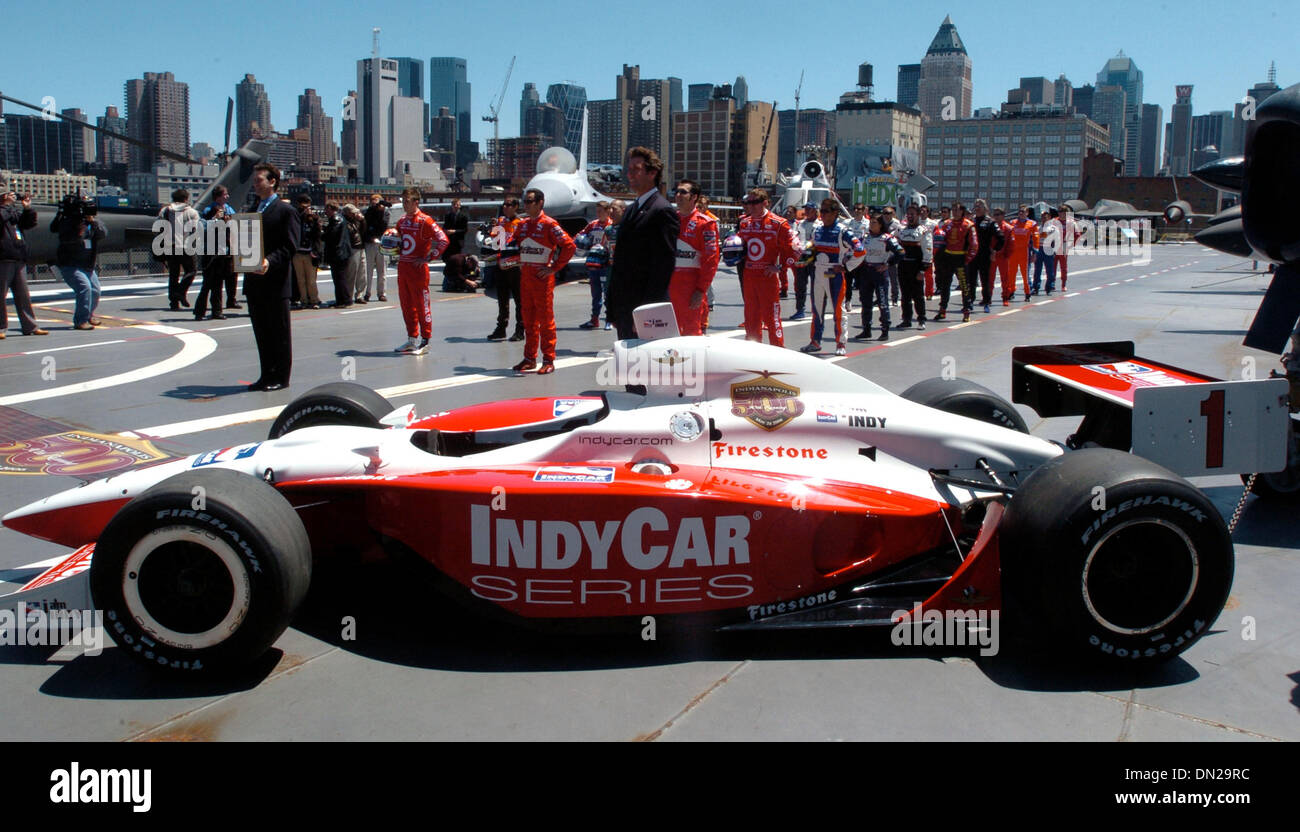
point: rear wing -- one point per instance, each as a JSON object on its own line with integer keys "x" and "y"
{"x": 1193, "y": 424}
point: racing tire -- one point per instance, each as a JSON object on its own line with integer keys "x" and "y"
{"x": 1284, "y": 485}
{"x": 201, "y": 589}
{"x": 337, "y": 403}
{"x": 963, "y": 397}
{"x": 1132, "y": 574}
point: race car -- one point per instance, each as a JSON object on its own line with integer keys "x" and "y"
{"x": 734, "y": 486}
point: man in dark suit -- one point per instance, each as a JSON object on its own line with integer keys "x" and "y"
{"x": 647, "y": 244}
{"x": 268, "y": 289}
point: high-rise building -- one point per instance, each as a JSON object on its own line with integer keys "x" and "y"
{"x": 1012, "y": 159}
{"x": 697, "y": 97}
{"x": 1083, "y": 99}
{"x": 650, "y": 111}
{"x": 676, "y": 103}
{"x": 571, "y": 99}
{"x": 607, "y": 121}
{"x": 1254, "y": 97}
{"x": 1123, "y": 72}
{"x": 111, "y": 151}
{"x": 199, "y": 151}
{"x": 517, "y": 156}
{"x": 909, "y": 79}
{"x": 442, "y": 135}
{"x": 875, "y": 137}
{"x": 348, "y": 138}
{"x": 252, "y": 110}
{"x": 410, "y": 84}
{"x": 158, "y": 114}
{"x": 547, "y": 121}
{"x": 1211, "y": 130}
{"x": 320, "y": 128}
{"x": 740, "y": 90}
{"x": 449, "y": 87}
{"x": 39, "y": 145}
{"x": 748, "y": 154}
{"x": 816, "y": 128}
{"x": 945, "y": 83}
{"x": 390, "y": 126}
{"x": 1180, "y": 139}
{"x": 1063, "y": 91}
{"x": 83, "y": 144}
{"x": 1109, "y": 103}
{"x": 702, "y": 146}
{"x": 1041, "y": 90}
{"x": 530, "y": 98}
{"x": 1149, "y": 156}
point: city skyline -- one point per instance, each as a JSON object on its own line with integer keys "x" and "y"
{"x": 1164, "y": 44}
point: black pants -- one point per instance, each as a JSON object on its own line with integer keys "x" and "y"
{"x": 912, "y": 286}
{"x": 215, "y": 274}
{"x": 180, "y": 275}
{"x": 801, "y": 276}
{"x": 507, "y": 288}
{"x": 981, "y": 275}
{"x": 270, "y": 319}
{"x": 946, "y": 266}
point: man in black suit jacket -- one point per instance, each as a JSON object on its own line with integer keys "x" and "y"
{"x": 647, "y": 244}
{"x": 268, "y": 289}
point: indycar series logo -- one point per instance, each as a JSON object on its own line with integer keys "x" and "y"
{"x": 575, "y": 473}
{"x": 766, "y": 402}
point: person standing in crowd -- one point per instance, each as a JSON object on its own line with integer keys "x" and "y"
{"x": 960, "y": 247}
{"x": 77, "y": 256}
{"x": 918, "y": 253}
{"x": 376, "y": 219}
{"x": 544, "y": 251}
{"x": 1050, "y": 242}
{"x": 596, "y": 270}
{"x": 769, "y": 248}
{"x": 891, "y": 225}
{"x": 219, "y": 265}
{"x": 837, "y": 251}
{"x": 881, "y": 248}
{"x": 181, "y": 269}
{"x": 308, "y": 257}
{"x": 697, "y": 260}
{"x": 356, "y": 226}
{"x": 1001, "y": 268}
{"x": 267, "y": 289}
{"x": 858, "y": 228}
{"x": 16, "y": 216}
{"x": 647, "y": 238}
{"x": 928, "y": 220}
{"x": 986, "y": 233}
{"x": 804, "y": 230}
{"x": 1024, "y": 234}
{"x": 423, "y": 241}
{"x": 338, "y": 252}
{"x": 455, "y": 224}
{"x": 702, "y": 204}
{"x": 507, "y": 279}
{"x": 1069, "y": 236}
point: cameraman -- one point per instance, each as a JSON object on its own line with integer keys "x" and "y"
{"x": 80, "y": 231}
{"x": 16, "y": 216}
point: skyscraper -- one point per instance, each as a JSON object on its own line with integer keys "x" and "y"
{"x": 40, "y": 145}
{"x": 390, "y": 126}
{"x": 319, "y": 126}
{"x": 1109, "y": 103}
{"x": 572, "y": 100}
{"x": 348, "y": 139}
{"x": 1149, "y": 155}
{"x": 1121, "y": 71}
{"x": 252, "y": 110}
{"x": 157, "y": 113}
{"x": 410, "y": 84}
{"x": 909, "y": 79}
{"x": 1180, "y": 139}
{"x": 1255, "y": 96}
{"x": 1212, "y": 129}
{"x": 945, "y": 76}
{"x": 1083, "y": 99}
{"x": 112, "y": 151}
{"x": 740, "y": 90}
{"x": 449, "y": 87}
{"x": 84, "y": 142}
{"x": 697, "y": 97}
{"x": 1063, "y": 91}
{"x": 528, "y": 99}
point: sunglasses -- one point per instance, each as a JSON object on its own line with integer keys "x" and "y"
{"x": 686, "y": 192}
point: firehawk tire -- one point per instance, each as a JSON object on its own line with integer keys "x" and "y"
{"x": 338, "y": 403}
{"x": 963, "y": 397}
{"x": 202, "y": 572}
{"x": 1132, "y": 573}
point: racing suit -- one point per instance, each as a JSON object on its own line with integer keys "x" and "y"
{"x": 542, "y": 244}
{"x": 936, "y": 235}
{"x": 918, "y": 252}
{"x": 982, "y": 266}
{"x": 697, "y": 263}
{"x": 1002, "y": 264}
{"x": 1024, "y": 233}
{"x": 837, "y": 250}
{"x": 595, "y": 230}
{"x": 856, "y": 276}
{"x": 960, "y": 248}
{"x": 422, "y": 240}
{"x": 880, "y": 251}
{"x": 894, "y": 225}
{"x": 769, "y": 248}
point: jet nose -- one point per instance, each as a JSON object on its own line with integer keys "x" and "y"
{"x": 559, "y": 197}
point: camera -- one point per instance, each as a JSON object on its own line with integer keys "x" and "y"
{"x": 76, "y": 207}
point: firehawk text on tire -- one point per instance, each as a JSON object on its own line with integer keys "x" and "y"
{"x": 203, "y": 571}
{"x": 337, "y": 403}
{"x": 1116, "y": 557}
{"x": 966, "y": 398}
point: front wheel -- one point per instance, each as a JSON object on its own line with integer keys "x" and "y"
{"x": 963, "y": 397}
{"x": 1116, "y": 557}
{"x": 337, "y": 403}
{"x": 203, "y": 571}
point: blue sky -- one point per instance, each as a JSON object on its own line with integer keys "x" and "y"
{"x": 1221, "y": 49}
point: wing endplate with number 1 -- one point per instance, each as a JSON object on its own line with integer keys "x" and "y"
{"x": 1222, "y": 427}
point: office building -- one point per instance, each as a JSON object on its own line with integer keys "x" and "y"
{"x": 909, "y": 80}
{"x": 945, "y": 84}
{"x": 158, "y": 114}
{"x": 319, "y": 127}
{"x": 1149, "y": 156}
{"x": 252, "y": 110}
{"x": 449, "y": 87}
{"x": 571, "y": 100}
{"x": 1180, "y": 138}
{"x": 1121, "y": 71}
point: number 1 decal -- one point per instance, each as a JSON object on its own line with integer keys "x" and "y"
{"x": 1212, "y": 410}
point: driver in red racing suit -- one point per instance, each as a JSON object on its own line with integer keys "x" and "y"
{"x": 544, "y": 251}
{"x": 697, "y": 260}
{"x": 422, "y": 241}
{"x": 769, "y": 248}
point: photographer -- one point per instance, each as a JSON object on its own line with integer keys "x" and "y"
{"x": 16, "y": 216}
{"x": 218, "y": 266}
{"x": 80, "y": 231}
{"x": 376, "y": 223}
{"x": 181, "y": 267}
{"x": 338, "y": 253}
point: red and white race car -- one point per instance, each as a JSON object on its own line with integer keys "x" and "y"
{"x": 740, "y": 486}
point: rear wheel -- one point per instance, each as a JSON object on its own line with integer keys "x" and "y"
{"x": 1285, "y": 484}
{"x": 1116, "y": 557}
{"x": 963, "y": 397}
{"x": 203, "y": 571}
{"x": 338, "y": 403}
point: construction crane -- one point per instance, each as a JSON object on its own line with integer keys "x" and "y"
{"x": 761, "y": 172}
{"x": 797, "y": 90}
{"x": 494, "y": 110}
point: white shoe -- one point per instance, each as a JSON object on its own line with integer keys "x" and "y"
{"x": 841, "y": 351}
{"x": 421, "y": 348}
{"x": 408, "y": 345}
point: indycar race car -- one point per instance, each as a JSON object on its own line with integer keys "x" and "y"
{"x": 727, "y": 484}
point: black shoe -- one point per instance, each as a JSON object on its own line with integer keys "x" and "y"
{"x": 518, "y": 336}
{"x": 383, "y": 298}
{"x": 217, "y": 317}
{"x": 884, "y": 335}
{"x": 257, "y": 386}
{"x": 272, "y": 387}
{"x": 198, "y": 316}
{"x": 185, "y": 303}
{"x": 233, "y": 305}
{"x": 498, "y": 334}
{"x": 904, "y": 325}
{"x": 175, "y": 307}
{"x": 863, "y": 335}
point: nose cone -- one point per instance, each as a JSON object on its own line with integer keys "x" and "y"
{"x": 561, "y": 193}
{"x": 1227, "y": 236}
{"x": 1224, "y": 174}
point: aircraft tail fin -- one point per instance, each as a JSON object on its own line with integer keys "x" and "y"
{"x": 582, "y": 147}
{"x": 237, "y": 175}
